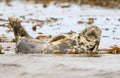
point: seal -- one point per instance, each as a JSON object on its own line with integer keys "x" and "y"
{"x": 86, "y": 41}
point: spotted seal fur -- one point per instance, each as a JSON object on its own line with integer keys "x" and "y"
{"x": 86, "y": 41}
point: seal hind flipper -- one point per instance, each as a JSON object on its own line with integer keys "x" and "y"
{"x": 19, "y": 30}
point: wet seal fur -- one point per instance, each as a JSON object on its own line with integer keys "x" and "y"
{"x": 86, "y": 41}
